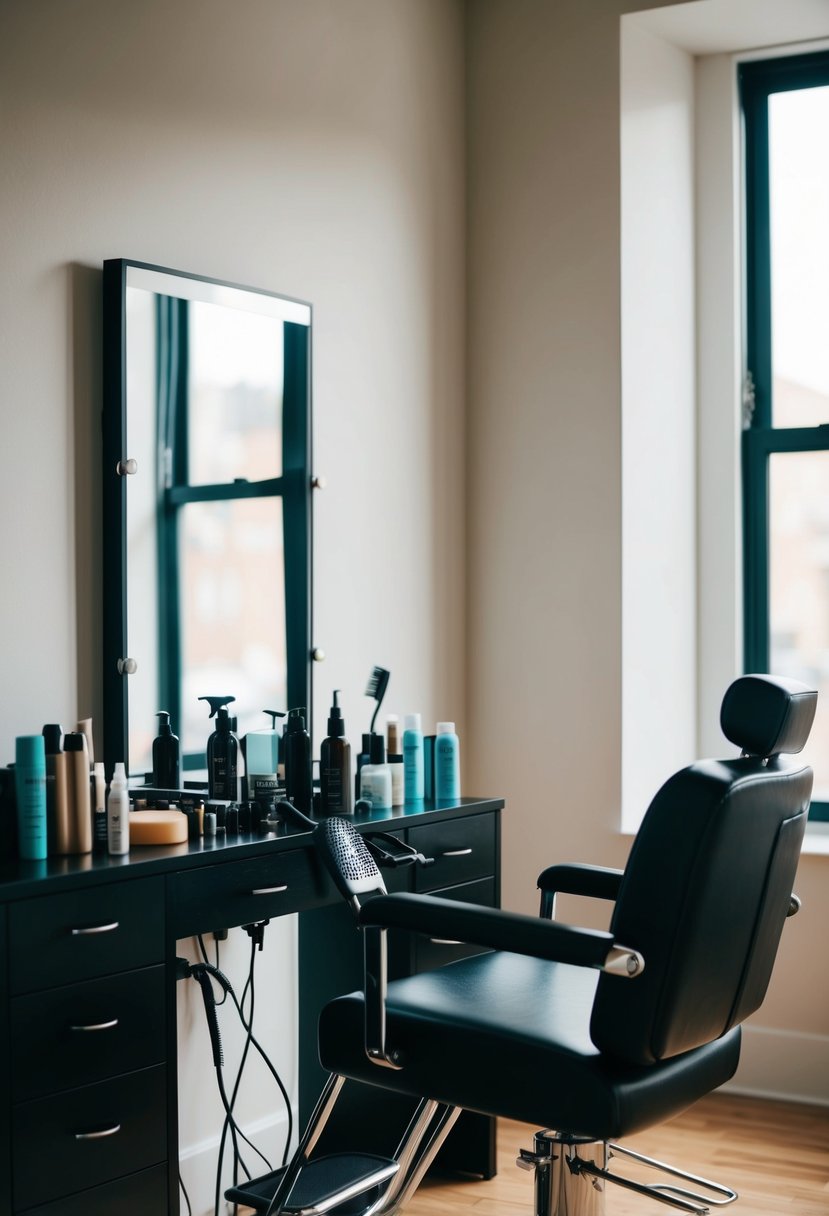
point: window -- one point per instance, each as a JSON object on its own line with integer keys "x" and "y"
{"x": 785, "y": 454}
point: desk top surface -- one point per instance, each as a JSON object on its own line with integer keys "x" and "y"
{"x": 24, "y": 879}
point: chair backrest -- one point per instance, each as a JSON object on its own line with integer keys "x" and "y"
{"x": 708, "y": 884}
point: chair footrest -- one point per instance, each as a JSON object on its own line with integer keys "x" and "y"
{"x": 324, "y": 1184}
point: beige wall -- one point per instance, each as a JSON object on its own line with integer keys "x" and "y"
{"x": 544, "y": 475}
{"x": 303, "y": 146}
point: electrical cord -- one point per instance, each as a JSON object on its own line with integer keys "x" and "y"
{"x": 186, "y": 1196}
{"x": 205, "y": 973}
{"x": 203, "y": 950}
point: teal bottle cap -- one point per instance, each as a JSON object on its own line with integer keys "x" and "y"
{"x": 29, "y": 751}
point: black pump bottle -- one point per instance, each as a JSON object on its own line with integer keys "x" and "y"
{"x": 298, "y": 762}
{"x": 222, "y": 753}
{"x": 166, "y": 755}
{"x": 336, "y": 786}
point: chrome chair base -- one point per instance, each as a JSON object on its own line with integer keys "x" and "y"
{"x": 571, "y": 1176}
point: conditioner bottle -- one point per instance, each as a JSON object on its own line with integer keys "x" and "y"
{"x": 30, "y": 787}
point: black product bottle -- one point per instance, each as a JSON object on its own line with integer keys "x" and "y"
{"x": 298, "y": 762}
{"x": 222, "y": 753}
{"x": 363, "y": 758}
{"x": 335, "y": 766}
{"x": 166, "y": 755}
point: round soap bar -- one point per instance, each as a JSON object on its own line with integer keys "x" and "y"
{"x": 158, "y": 827}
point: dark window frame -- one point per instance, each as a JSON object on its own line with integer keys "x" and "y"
{"x": 761, "y": 439}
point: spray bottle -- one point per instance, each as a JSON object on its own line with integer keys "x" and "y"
{"x": 222, "y": 753}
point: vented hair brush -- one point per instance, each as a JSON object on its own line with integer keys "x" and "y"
{"x": 378, "y": 682}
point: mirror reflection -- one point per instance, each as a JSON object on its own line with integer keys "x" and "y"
{"x": 216, "y": 516}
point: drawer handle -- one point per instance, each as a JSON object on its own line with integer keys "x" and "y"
{"x": 95, "y": 929}
{"x": 108, "y": 1131}
{"x": 269, "y": 890}
{"x": 456, "y": 853}
{"x": 97, "y": 1025}
{"x": 444, "y": 941}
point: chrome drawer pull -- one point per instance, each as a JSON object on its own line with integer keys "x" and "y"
{"x": 444, "y": 941}
{"x": 97, "y": 1025}
{"x": 95, "y": 929}
{"x": 269, "y": 890}
{"x": 456, "y": 853}
{"x": 108, "y": 1131}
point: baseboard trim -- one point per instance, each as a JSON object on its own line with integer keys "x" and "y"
{"x": 197, "y": 1162}
{"x": 783, "y": 1065}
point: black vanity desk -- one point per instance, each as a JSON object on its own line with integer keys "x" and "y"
{"x": 88, "y": 1087}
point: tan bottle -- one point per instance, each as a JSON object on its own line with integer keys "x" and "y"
{"x": 57, "y": 790}
{"x": 80, "y": 808}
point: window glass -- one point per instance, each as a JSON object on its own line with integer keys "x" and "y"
{"x": 799, "y": 587}
{"x": 799, "y": 216}
{"x": 232, "y": 595}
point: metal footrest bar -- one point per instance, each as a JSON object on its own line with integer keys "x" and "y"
{"x": 682, "y": 1198}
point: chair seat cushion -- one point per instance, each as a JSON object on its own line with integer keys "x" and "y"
{"x": 508, "y": 1035}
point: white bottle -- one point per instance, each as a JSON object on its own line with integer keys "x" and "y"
{"x": 118, "y": 812}
{"x": 375, "y": 777}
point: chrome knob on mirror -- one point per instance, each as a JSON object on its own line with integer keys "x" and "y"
{"x": 126, "y": 468}
{"x": 319, "y": 482}
{"x": 127, "y": 667}
{"x": 318, "y": 654}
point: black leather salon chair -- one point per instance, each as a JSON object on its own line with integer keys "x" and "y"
{"x": 595, "y": 1035}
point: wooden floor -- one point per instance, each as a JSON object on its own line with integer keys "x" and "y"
{"x": 774, "y": 1154}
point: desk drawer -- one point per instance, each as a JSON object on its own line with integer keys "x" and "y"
{"x": 432, "y": 952}
{"x": 58, "y": 939}
{"x": 87, "y": 1032}
{"x": 238, "y": 892}
{"x": 463, "y": 849}
{"x": 124, "y": 1128}
{"x": 143, "y": 1194}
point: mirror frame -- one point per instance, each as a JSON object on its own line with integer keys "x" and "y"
{"x": 297, "y": 503}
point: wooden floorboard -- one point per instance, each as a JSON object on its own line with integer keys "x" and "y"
{"x": 774, "y": 1154}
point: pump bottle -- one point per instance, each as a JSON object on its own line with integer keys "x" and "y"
{"x": 222, "y": 753}
{"x": 118, "y": 812}
{"x": 335, "y": 765}
{"x": 298, "y": 762}
{"x": 166, "y": 755}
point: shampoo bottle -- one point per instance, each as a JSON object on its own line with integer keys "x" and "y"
{"x": 80, "y": 807}
{"x": 262, "y": 749}
{"x": 298, "y": 762}
{"x": 336, "y": 785}
{"x": 222, "y": 753}
{"x": 375, "y": 777}
{"x": 166, "y": 755}
{"x": 413, "y": 758}
{"x": 30, "y": 787}
{"x": 447, "y": 764}
{"x": 99, "y": 808}
{"x": 363, "y": 758}
{"x": 395, "y": 760}
{"x": 118, "y": 812}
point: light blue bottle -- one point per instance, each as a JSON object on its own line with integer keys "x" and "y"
{"x": 412, "y": 758}
{"x": 30, "y": 788}
{"x": 447, "y": 764}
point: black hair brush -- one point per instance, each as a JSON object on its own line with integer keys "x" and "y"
{"x": 378, "y": 682}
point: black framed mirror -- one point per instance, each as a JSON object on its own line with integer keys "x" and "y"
{"x": 207, "y": 523}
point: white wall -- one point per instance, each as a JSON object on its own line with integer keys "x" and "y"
{"x": 303, "y": 146}
{"x": 659, "y": 456}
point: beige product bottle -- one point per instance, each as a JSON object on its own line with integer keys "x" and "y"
{"x": 80, "y": 806}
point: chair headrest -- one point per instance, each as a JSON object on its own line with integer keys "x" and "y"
{"x": 766, "y": 715}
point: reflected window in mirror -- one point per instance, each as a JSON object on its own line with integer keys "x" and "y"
{"x": 214, "y": 392}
